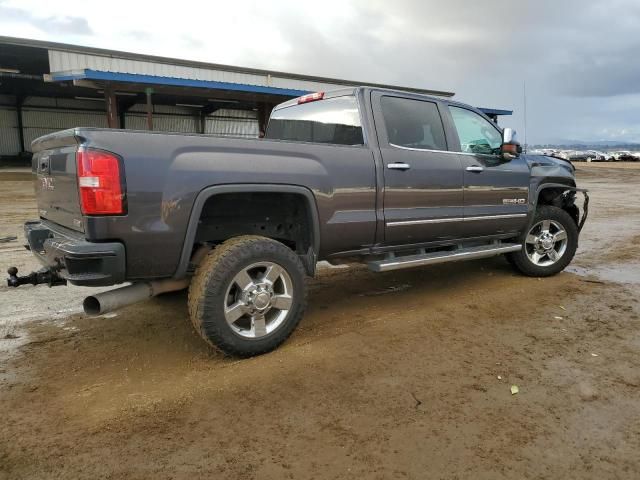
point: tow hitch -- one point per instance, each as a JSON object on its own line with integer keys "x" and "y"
{"x": 45, "y": 275}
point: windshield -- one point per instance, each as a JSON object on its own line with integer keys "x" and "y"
{"x": 334, "y": 120}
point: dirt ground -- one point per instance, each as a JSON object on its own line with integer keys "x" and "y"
{"x": 404, "y": 374}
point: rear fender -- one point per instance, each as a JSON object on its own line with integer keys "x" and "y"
{"x": 309, "y": 259}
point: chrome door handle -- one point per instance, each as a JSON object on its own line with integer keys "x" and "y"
{"x": 475, "y": 168}
{"x": 398, "y": 166}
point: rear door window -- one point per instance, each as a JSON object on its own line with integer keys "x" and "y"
{"x": 333, "y": 120}
{"x": 413, "y": 123}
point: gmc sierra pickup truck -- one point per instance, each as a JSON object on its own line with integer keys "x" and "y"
{"x": 389, "y": 178}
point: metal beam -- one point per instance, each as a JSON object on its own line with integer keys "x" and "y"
{"x": 210, "y": 108}
{"x": 20, "y": 98}
{"x": 113, "y": 120}
{"x": 85, "y": 84}
{"x": 264, "y": 112}
{"x": 148, "y": 92}
{"x": 188, "y": 92}
{"x": 203, "y": 121}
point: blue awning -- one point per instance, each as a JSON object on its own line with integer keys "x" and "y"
{"x": 89, "y": 74}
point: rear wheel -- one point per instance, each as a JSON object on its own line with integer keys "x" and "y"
{"x": 248, "y": 295}
{"x": 549, "y": 245}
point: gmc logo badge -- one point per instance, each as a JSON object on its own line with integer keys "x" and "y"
{"x": 47, "y": 183}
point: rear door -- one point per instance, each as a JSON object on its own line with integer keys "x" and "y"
{"x": 423, "y": 198}
{"x": 496, "y": 191}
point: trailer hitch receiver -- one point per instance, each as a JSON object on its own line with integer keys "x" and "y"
{"x": 45, "y": 275}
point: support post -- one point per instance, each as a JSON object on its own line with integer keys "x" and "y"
{"x": 124, "y": 104}
{"x": 203, "y": 121}
{"x": 148, "y": 92}
{"x": 264, "y": 111}
{"x": 112, "y": 107}
{"x": 19, "y": 102}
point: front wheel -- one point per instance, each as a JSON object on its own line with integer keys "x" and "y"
{"x": 248, "y": 295}
{"x": 549, "y": 245}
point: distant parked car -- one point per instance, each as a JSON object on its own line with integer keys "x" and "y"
{"x": 596, "y": 156}
{"x": 578, "y": 156}
{"x": 626, "y": 156}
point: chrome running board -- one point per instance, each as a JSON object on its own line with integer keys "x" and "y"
{"x": 393, "y": 262}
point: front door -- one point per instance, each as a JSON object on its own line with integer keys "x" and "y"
{"x": 423, "y": 198}
{"x": 496, "y": 192}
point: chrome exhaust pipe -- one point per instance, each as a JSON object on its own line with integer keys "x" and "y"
{"x": 121, "y": 297}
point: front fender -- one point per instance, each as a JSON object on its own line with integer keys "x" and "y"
{"x": 553, "y": 173}
{"x": 562, "y": 189}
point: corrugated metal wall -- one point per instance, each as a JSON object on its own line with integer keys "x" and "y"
{"x": 9, "y": 138}
{"x": 225, "y": 122}
{"x": 162, "y": 123}
{"x": 38, "y": 121}
{"x": 166, "y": 118}
{"x": 42, "y": 115}
{"x": 61, "y": 61}
{"x": 233, "y": 123}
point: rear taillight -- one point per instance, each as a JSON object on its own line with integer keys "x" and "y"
{"x": 100, "y": 183}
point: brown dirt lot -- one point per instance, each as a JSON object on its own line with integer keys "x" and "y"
{"x": 405, "y": 374}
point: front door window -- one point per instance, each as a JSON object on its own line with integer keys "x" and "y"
{"x": 477, "y": 135}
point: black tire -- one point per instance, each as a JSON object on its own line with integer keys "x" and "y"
{"x": 522, "y": 262}
{"x": 213, "y": 280}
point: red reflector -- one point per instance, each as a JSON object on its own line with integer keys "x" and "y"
{"x": 99, "y": 183}
{"x": 311, "y": 97}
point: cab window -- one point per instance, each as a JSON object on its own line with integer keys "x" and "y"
{"x": 333, "y": 120}
{"x": 413, "y": 123}
{"x": 476, "y": 134}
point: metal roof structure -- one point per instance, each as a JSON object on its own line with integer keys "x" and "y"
{"x": 76, "y": 62}
{"x": 48, "y": 86}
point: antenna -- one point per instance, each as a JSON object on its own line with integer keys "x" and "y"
{"x": 524, "y": 98}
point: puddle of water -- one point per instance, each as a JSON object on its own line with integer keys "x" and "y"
{"x": 628, "y": 273}
{"x": 11, "y": 339}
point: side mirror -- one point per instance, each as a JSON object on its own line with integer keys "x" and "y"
{"x": 510, "y": 148}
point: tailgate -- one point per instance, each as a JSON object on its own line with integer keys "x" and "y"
{"x": 56, "y": 185}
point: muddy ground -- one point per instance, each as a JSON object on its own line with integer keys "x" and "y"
{"x": 404, "y": 374}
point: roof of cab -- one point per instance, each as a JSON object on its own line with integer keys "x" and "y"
{"x": 352, "y": 91}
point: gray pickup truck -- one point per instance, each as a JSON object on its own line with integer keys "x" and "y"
{"x": 389, "y": 178}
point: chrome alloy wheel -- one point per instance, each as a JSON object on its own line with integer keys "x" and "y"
{"x": 546, "y": 242}
{"x": 258, "y": 299}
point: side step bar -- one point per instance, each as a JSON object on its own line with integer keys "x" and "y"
{"x": 393, "y": 262}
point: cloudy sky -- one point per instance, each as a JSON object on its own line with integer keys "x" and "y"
{"x": 580, "y": 59}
